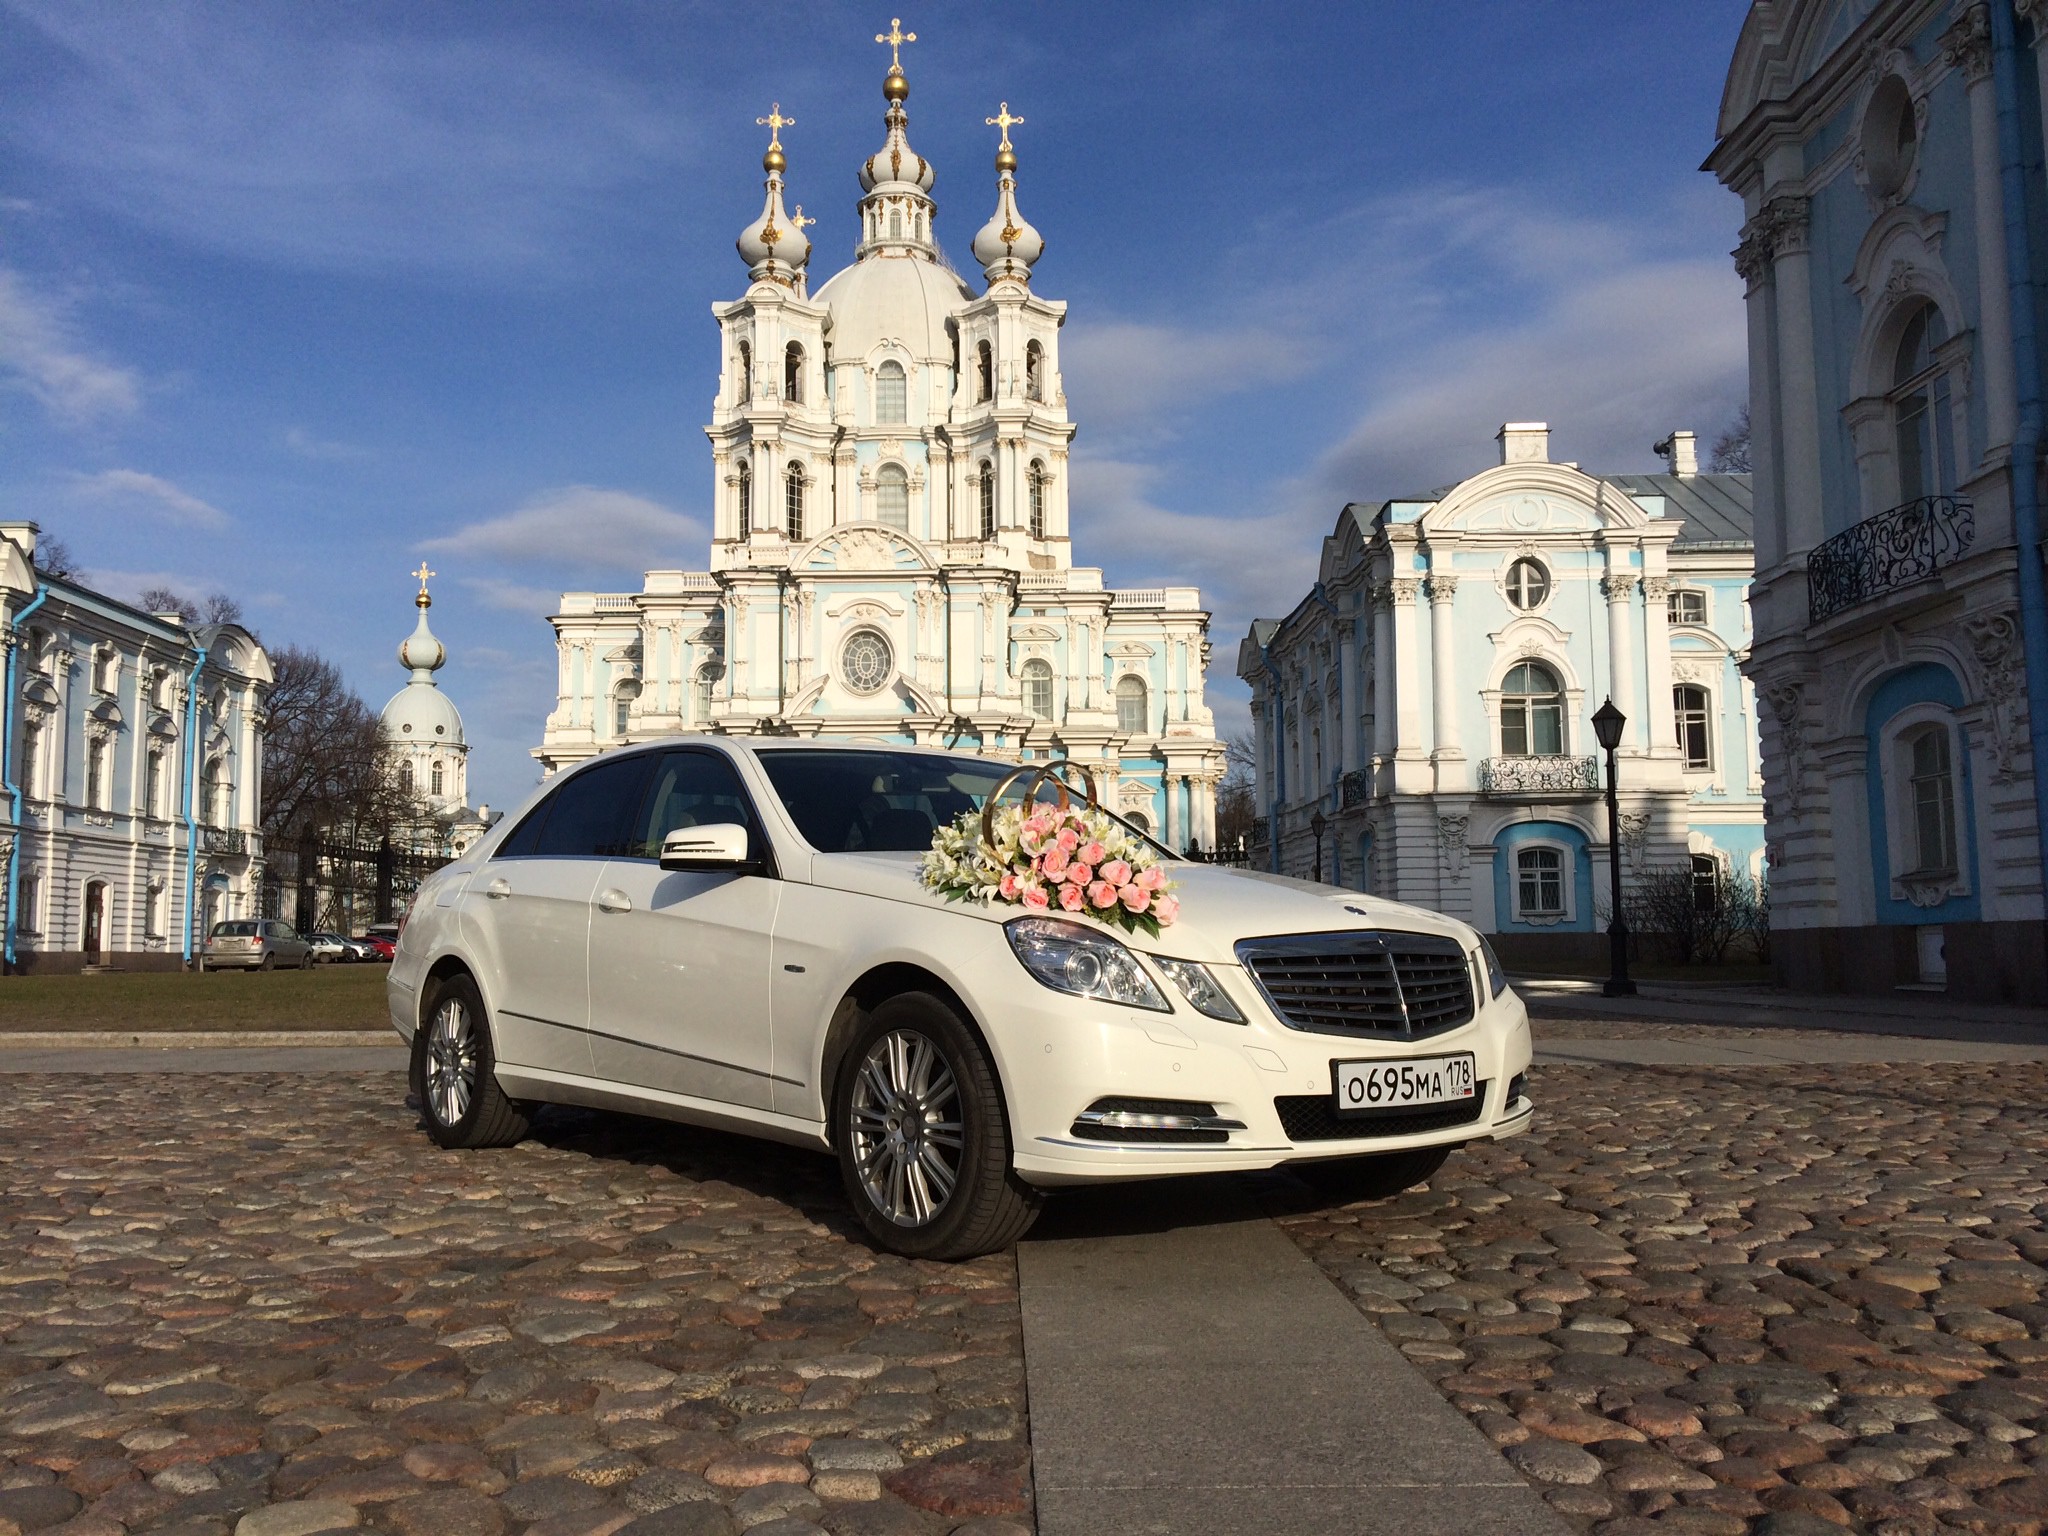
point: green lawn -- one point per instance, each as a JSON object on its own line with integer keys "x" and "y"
{"x": 329, "y": 997}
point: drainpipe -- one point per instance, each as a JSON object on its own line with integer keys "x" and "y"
{"x": 7, "y": 783}
{"x": 191, "y": 783}
{"x": 2014, "y": 168}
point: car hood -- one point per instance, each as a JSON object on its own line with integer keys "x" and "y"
{"x": 1219, "y": 905}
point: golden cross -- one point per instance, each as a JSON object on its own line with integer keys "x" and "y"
{"x": 896, "y": 37}
{"x": 423, "y": 573}
{"x": 799, "y": 220}
{"x": 1005, "y": 121}
{"x": 775, "y": 122}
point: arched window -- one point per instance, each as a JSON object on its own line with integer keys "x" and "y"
{"x": 32, "y": 760}
{"x": 892, "y": 404}
{"x": 217, "y": 790}
{"x": 1139, "y": 820}
{"x": 439, "y": 779}
{"x": 97, "y": 759}
{"x": 746, "y": 499}
{"x": 1934, "y": 801}
{"x": 984, "y": 371}
{"x": 1531, "y": 713}
{"x": 1037, "y": 500}
{"x": 1133, "y": 715}
{"x": 793, "y": 504}
{"x": 1689, "y": 708}
{"x": 793, "y": 374}
{"x": 700, "y": 701}
{"x": 1528, "y": 584}
{"x": 1034, "y": 372}
{"x": 892, "y": 497}
{"x": 1706, "y": 883}
{"x": 1539, "y": 883}
{"x": 1038, "y": 688}
{"x": 622, "y": 720}
{"x": 746, "y": 379}
{"x": 405, "y": 778}
{"x": 1921, "y": 419}
{"x": 153, "y": 785}
{"x": 988, "y": 499}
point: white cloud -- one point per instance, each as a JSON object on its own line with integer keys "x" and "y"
{"x": 581, "y": 528}
{"x": 130, "y": 585}
{"x": 307, "y": 446}
{"x": 40, "y": 355}
{"x": 131, "y": 487}
{"x": 1125, "y": 376}
{"x": 513, "y": 596}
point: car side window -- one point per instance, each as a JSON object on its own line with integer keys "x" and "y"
{"x": 525, "y": 837}
{"x": 594, "y": 810}
{"x": 691, "y": 789}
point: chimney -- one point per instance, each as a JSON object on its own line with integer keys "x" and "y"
{"x": 1681, "y": 455}
{"x": 1524, "y": 442}
{"x": 23, "y": 536}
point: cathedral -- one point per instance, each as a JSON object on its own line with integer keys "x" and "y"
{"x": 891, "y": 553}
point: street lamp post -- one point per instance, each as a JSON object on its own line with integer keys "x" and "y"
{"x": 1319, "y": 824}
{"x": 1607, "y": 724}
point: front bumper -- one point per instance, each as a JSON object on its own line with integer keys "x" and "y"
{"x": 1060, "y": 1056}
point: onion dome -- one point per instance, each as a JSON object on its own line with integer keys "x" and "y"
{"x": 896, "y": 212}
{"x": 420, "y": 711}
{"x": 774, "y": 246}
{"x": 1007, "y": 244}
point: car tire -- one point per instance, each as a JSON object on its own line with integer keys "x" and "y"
{"x": 455, "y": 1072}
{"x": 1375, "y": 1177}
{"x": 306, "y": 961}
{"x": 886, "y": 1103}
{"x": 269, "y": 962}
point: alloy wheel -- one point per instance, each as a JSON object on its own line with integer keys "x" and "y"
{"x": 907, "y": 1133}
{"x": 451, "y": 1062}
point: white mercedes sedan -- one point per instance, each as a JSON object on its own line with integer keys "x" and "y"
{"x": 732, "y": 932}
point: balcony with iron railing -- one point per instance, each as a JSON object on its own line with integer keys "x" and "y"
{"x": 1552, "y": 775}
{"x": 1884, "y": 553}
{"x": 1354, "y": 788}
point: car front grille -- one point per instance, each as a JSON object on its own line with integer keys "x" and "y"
{"x": 1383, "y": 985}
{"x": 1314, "y": 1117}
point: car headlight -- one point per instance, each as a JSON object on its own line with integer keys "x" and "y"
{"x": 1495, "y": 976}
{"x": 1070, "y": 958}
{"x": 1200, "y": 989}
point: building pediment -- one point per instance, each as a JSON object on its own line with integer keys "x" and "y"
{"x": 1036, "y": 632}
{"x": 1132, "y": 650}
{"x": 863, "y": 547}
{"x": 1532, "y": 500}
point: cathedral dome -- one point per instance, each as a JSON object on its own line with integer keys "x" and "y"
{"x": 420, "y": 712}
{"x": 893, "y": 298}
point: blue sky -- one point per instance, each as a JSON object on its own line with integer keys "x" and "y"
{"x": 294, "y": 294}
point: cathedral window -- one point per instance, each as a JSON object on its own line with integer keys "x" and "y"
{"x": 32, "y": 761}
{"x": 1539, "y": 883}
{"x": 984, "y": 371}
{"x": 892, "y": 403}
{"x": 1528, "y": 584}
{"x": 1133, "y": 712}
{"x": 892, "y": 497}
{"x": 1921, "y": 410}
{"x": 1934, "y": 800}
{"x": 746, "y": 378}
{"x": 987, "y": 486}
{"x": 1531, "y": 713}
{"x": 867, "y": 662}
{"x": 746, "y": 500}
{"x": 405, "y": 779}
{"x": 793, "y": 504}
{"x": 895, "y": 223}
{"x": 1689, "y": 708}
{"x": 1687, "y": 605}
{"x": 707, "y": 676}
{"x": 215, "y": 786}
{"x": 1037, "y": 500}
{"x": 97, "y": 761}
{"x": 438, "y": 780}
{"x": 1034, "y": 372}
{"x": 793, "y": 374}
{"x": 153, "y": 785}
{"x": 1038, "y": 688}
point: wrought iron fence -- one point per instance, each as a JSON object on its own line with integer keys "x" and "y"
{"x": 1539, "y": 775}
{"x": 322, "y": 886}
{"x": 1882, "y": 553}
{"x": 1353, "y": 789}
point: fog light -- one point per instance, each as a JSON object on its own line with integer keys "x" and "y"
{"x": 1153, "y": 1120}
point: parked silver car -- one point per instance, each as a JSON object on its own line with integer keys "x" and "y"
{"x": 333, "y": 947}
{"x": 254, "y": 944}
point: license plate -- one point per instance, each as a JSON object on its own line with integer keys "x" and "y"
{"x": 1363, "y": 1086}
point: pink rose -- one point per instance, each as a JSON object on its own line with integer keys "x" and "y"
{"x": 1009, "y": 887}
{"x": 1102, "y": 894}
{"x": 1093, "y": 853}
{"x": 1079, "y": 873}
{"x": 1069, "y": 839}
{"x": 1055, "y": 862}
{"x": 1071, "y": 898}
{"x": 1135, "y": 898}
{"x": 1116, "y": 872}
{"x": 1151, "y": 879}
{"x": 1166, "y": 909}
{"x": 1035, "y": 898}
{"x": 1041, "y": 823}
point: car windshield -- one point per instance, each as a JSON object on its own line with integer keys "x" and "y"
{"x": 233, "y": 930}
{"x": 882, "y": 802}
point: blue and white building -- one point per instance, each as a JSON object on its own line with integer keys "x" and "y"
{"x": 891, "y": 555}
{"x": 1888, "y": 156}
{"x": 1431, "y": 698}
{"x": 131, "y": 774}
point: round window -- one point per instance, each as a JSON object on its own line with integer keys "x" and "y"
{"x": 867, "y": 662}
{"x": 1528, "y": 584}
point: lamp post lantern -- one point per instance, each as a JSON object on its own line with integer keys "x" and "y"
{"x": 1607, "y": 724}
{"x": 1319, "y": 824}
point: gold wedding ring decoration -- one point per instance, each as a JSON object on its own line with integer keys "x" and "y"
{"x": 1037, "y": 775}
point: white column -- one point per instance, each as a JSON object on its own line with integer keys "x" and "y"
{"x": 2036, "y": 11}
{"x": 1621, "y": 673}
{"x": 1657, "y": 665}
{"x": 1407, "y": 684}
{"x": 1348, "y": 707}
{"x": 1968, "y": 46}
{"x": 1442, "y": 592}
{"x": 1383, "y": 670}
{"x": 1170, "y": 783}
{"x": 1799, "y": 395}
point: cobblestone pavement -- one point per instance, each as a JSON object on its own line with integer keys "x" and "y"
{"x": 1548, "y": 1027}
{"x": 1785, "y": 1300}
{"x": 268, "y": 1306}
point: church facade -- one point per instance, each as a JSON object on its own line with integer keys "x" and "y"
{"x": 892, "y": 554}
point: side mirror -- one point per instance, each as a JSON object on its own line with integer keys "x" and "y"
{"x": 722, "y": 845}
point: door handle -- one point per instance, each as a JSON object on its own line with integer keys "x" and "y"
{"x": 613, "y": 901}
{"x": 498, "y": 889}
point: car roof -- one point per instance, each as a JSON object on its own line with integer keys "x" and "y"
{"x": 759, "y": 744}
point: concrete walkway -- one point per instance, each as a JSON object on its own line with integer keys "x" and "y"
{"x": 242, "y": 1058}
{"x": 1893, "y": 1013}
{"x": 1791, "y": 1048}
{"x": 1190, "y": 1370}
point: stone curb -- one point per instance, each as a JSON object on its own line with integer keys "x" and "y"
{"x": 192, "y": 1039}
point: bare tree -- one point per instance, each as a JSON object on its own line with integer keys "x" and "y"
{"x": 1700, "y": 919}
{"x": 1237, "y": 795}
{"x": 54, "y": 558}
{"x": 1731, "y": 448}
{"x": 324, "y": 761}
{"x": 218, "y": 608}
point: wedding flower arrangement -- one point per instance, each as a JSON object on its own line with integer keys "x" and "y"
{"x": 1052, "y": 858}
